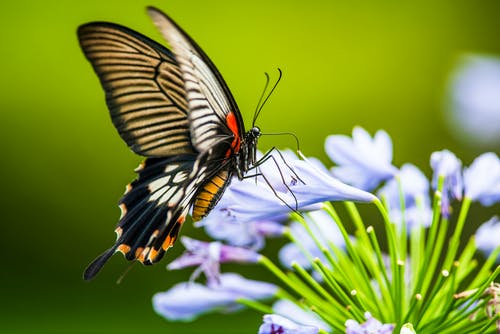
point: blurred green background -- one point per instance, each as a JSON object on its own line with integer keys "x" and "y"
{"x": 378, "y": 64}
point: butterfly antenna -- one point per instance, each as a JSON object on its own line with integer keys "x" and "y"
{"x": 257, "y": 108}
{"x": 261, "y": 105}
{"x": 284, "y": 134}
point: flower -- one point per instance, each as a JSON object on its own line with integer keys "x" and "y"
{"x": 482, "y": 179}
{"x": 276, "y": 324}
{"x": 415, "y": 190}
{"x": 298, "y": 184}
{"x": 487, "y": 236}
{"x": 370, "y": 326}
{"x": 291, "y": 310}
{"x": 445, "y": 164}
{"x": 186, "y": 301}
{"x": 474, "y": 101}
{"x": 238, "y": 233}
{"x": 323, "y": 227}
{"x": 208, "y": 256}
{"x": 362, "y": 161}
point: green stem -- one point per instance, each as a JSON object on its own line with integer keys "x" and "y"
{"x": 455, "y": 239}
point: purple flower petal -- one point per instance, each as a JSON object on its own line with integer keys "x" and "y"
{"x": 370, "y": 326}
{"x": 488, "y": 236}
{"x": 321, "y": 187}
{"x": 415, "y": 188}
{"x": 207, "y": 256}
{"x": 482, "y": 179}
{"x": 445, "y": 164}
{"x": 186, "y": 301}
{"x": 276, "y": 324}
{"x": 291, "y": 310}
{"x": 362, "y": 161}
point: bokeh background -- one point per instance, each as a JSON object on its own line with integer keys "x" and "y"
{"x": 378, "y": 64}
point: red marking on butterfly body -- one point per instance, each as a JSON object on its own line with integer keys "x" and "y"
{"x": 233, "y": 126}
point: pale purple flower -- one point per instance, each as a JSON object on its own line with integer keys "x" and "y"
{"x": 415, "y": 191}
{"x": 276, "y": 324}
{"x": 226, "y": 227}
{"x": 208, "y": 256}
{"x": 186, "y": 301}
{"x": 488, "y": 236}
{"x": 290, "y": 310}
{"x": 482, "y": 179}
{"x": 446, "y": 164}
{"x": 362, "y": 161}
{"x": 370, "y": 326}
{"x": 301, "y": 185}
{"x": 474, "y": 99}
{"x": 323, "y": 227}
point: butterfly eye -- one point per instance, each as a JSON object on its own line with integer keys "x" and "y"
{"x": 255, "y": 132}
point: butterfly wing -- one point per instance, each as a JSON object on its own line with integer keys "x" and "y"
{"x": 154, "y": 208}
{"x": 214, "y": 117}
{"x": 144, "y": 88}
{"x": 178, "y": 112}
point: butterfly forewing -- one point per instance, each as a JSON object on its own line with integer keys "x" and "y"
{"x": 214, "y": 116}
{"x": 144, "y": 88}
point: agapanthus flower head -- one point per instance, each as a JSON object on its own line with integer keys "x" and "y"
{"x": 362, "y": 161}
{"x": 482, "y": 179}
{"x": 277, "y": 324}
{"x": 370, "y": 326}
{"x": 186, "y": 301}
{"x": 474, "y": 101}
{"x": 488, "y": 236}
{"x": 445, "y": 164}
{"x": 323, "y": 227}
{"x": 412, "y": 184}
{"x": 208, "y": 256}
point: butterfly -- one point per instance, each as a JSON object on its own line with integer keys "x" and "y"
{"x": 174, "y": 108}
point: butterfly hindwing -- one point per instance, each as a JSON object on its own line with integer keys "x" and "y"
{"x": 153, "y": 208}
{"x": 214, "y": 116}
{"x": 144, "y": 88}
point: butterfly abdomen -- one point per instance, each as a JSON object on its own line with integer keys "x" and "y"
{"x": 210, "y": 193}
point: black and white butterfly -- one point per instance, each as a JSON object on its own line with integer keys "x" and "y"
{"x": 176, "y": 110}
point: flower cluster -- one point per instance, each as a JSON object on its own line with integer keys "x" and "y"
{"x": 335, "y": 282}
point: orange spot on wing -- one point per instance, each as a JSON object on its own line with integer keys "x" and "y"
{"x": 124, "y": 249}
{"x": 167, "y": 243}
{"x": 152, "y": 254}
{"x": 142, "y": 257}
{"x": 138, "y": 252}
{"x": 181, "y": 219}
